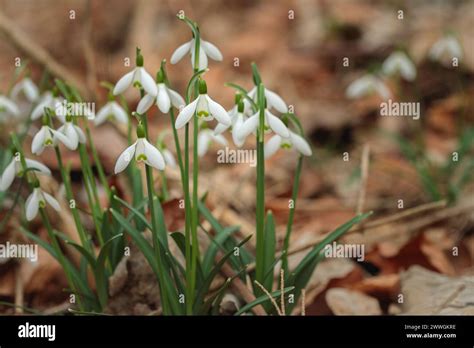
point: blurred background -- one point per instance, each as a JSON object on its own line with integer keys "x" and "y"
{"x": 299, "y": 47}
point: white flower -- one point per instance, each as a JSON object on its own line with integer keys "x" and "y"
{"x": 206, "y": 49}
{"x": 399, "y": 63}
{"x": 271, "y": 123}
{"x": 206, "y": 109}
{"x": 205, "y": 139}
{"x": 237, "y": 119}
{"x": 111, "y": 110}
{"x": 445, "y": 49}
{"x": 37, "y": 199}
{"x": 28, "y": 88}
{"x": 47, "y": 100}
{"x": 8, "y": 107}
{"x": 143, "y": 151}
{"x": 15, "y": 168}
{"x": 165, "y": 98}
{"x": 49, "y": 137}
{"x": 72, "y": 132}
{"x": 293, "y": 140}
{"x": 139, "y": 74}
{"x": 169, "y": 158}
{"x": 273, "y": 99}
{"x": 366, "y": 85}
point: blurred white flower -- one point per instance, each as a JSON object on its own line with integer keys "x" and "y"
{"x": 165, "y": 98}
{"x": 8, "y": 107}
{"x": 72, "y": 132}
{"x": 205, "y": 138}
{"x": 273, "y": 99}
{"x": 237, "y": 116}
{"x": 251, "y": 125}
{"x": 37, "y": 199}
{"x": 206, "y": 49}
{"x": 399, "y": 63}
{"x": 143, "y": 151}
{"x": 49, "y": 137}
{"x": 111, "y": 110}
{"x": 445, "y": 49}
{"x": 15, "y": 168}
{"x": 169, "y": 158}
{"x": 294, "y": 140}
{"x": 28, "y": 88}
{"x": 47, "y": 100}
{"x": 366, "y": 85}
{"x": 205, "y": 108}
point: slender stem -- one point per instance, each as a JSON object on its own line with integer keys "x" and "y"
{"x": 98, "y": 164}
{"x": 294, "y": 196}
{"x": 164, "y": 187}
{"x": 187, "y": 236}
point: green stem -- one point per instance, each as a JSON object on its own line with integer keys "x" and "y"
{"x": 187, "y": 236}
{"x": 294, "y": 196}
{"x": 95, "y": 155}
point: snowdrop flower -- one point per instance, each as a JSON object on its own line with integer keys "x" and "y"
{"x": 47, "y": 100}
{"x": 49, "y": 137}
{"x": 205, "y": 108}
{"x": 164, "y": 100}
{"x": 28, "y": 88}
{"x": 205, "y": 138}
{"x": 139, "y": 74}
{"x": 273, "y": 99}
{"x": 253, "y": 122}
{"x": 38, "y": 199}
{"x": 72, "y": 132}
{"x": 169, "y": 158}
{"x": 237, "y": 120}
{"x": 8, "y": 107}
{"x": 399, "y": 63}
{"x": 206, "y": 49}
{"x": 111, "y": 110}
{"x": 445, "y": 49}
{"x": 15, "y": 168}
{"x": 366, "y": 85}
{"x": 292, "y": 141}
{"x": 143, "y": 151}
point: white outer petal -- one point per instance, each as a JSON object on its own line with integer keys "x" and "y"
{"x": 103, "y": 113}
{"x": 37, "y": 145}
{"x": 8, "y": 176}
{"x": 360, "y": 87}
{"x": 30, "y": 90}
{"x": 52, "y": 201}
{"x": 147, "y": 82}
{"x": 124, "y": 158}
{"x": 300, "y": 144}
{"x": 163, "y": 99}
{"x": 276, "y": 124}
{"x": 180, "y": 52}
{"x": 275, "y": 101}
{"x": 9, "y": 106}
{"x": 32, "y": 204}
{"x": 119, "y": 113}
{"x": 80, "y": 134}
{"x": 70, "y": 143}
{"x": 272, "y": 146}
{"x": 220, "y": 128}
{"x": 249, "y": 126}
{"x": 41, "y": 168}
{"x": 186, "y": 114}
{"x": 211, "y": 50}
{"x": 204, "y": 138}
{"x": 175, "y": 98}
{"x": 145, "y": 103}
{"x": 124, "y": 82}
{"x": 218, "y": 112}
{"x": 154, "y": 156}
{"x": 219, "y": 139}
{"x": 169, "y": 158}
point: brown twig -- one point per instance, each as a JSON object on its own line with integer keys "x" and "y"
{"x": 303, "y": 302}
{"x": 19, "y": 293}
{"x": 364, "y": 176}
{"x": 270, "y": 297}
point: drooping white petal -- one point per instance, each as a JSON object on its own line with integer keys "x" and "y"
{"x": 147, "y": 82}
{"x": 176, "y": 99}
{"x": 68, "y": 141}
{"x": 163, "y": 100}
{"x": 30, "y": 90}
{"x": 124, "y": 82}
{"x": 8, "y": 176}
{"x": 204, "y": 140}
{"x": 180, "y": 52}
{"x": 119, "y": 113}
{"x": 211, "y": 50}
{"x": 52, "y": 201}
{"x": 454, "y": 47}
{"x": 399, "y": 62}
{"x": 219, "y": 113}
{"x": 360, "y": 87}
{"x": 220, "y": 128}
{"x": 274, "y": 100}
{"x": 124, "y": 158}
{"x": 80, "y": 134}
{"x": 382, "y": 90}
{"x": 219, "y": 139}
{"x": 154, "y": 157}
{"x": 276, "y": 124}
{"x": 40, "y": 167}
{"x": 239, "y": 142}
{"x": 249, "y": 126}
{"x": 46, "y": 101}
{"x": 145, "y": 103}
{"x": 169, "y": 158}
{"x": 37, "y": 145}
{"x": 103, "y": 113}
{"x": 202, "y": 58}
{"x": 300, "y": 144}
{"x": 32, "y": 204}
{"x": 272, "y": 146}
{"x": 186, "y": 114}
{"x": 9, "y": 106}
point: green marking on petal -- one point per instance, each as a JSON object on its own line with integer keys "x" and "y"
{"x": 48, "y": 142}
{"x": 286, "y": 146}
{"x": 42, "y": 204}
{"x": 141, "y": 158}
{"x": 202, "y": 113}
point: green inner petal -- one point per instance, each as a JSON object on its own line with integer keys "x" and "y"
{"x": 48, "y": 142}
{"x": 286, "y": 146}
{"x": 202, "y": 113}
{"x": 42, "y": 204}
{"x": 141, "y": 157}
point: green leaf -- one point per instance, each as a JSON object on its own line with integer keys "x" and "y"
{"x": 213, "y": 248}
{"x": 269, "y": 255}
